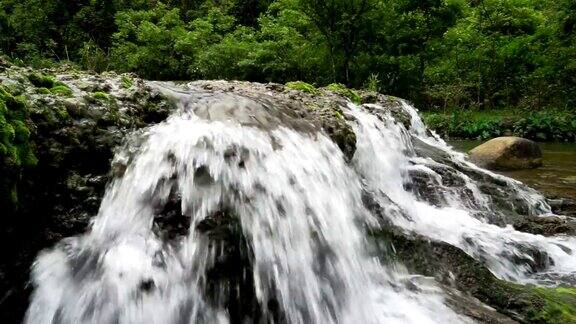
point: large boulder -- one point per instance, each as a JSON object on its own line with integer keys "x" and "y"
{"x": 507, "y": 153}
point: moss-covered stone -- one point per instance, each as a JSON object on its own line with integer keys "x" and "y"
{"x": 341, "y": 89}
{"x": 15, "y": 148}
{"x": 302, "y": 86}
{"x": 40, "y": 80}
{"x": 47, "y": 84}
{"x": 99, "y": 95}
{"x": 43, "y": 90}
{"x": 61, "y": 90}
{"x": 452, "y": 266}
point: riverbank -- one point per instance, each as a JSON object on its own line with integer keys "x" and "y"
{"x": 544, "y": 126}
{"x": 557, "y": 177}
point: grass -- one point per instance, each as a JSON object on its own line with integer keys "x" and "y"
{"x": 346, "y": 92}
{"x": 302, "y": 86}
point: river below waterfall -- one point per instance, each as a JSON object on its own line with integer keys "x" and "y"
{"x": 556, "y": 177}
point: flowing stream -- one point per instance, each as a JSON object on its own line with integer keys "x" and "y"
{"x": 458, "y": 221}
{"x": 298, "y": 205}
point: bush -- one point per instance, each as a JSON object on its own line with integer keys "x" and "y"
{"x": 549, "y": 125}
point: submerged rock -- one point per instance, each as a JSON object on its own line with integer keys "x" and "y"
{"x": 507, "y": 153}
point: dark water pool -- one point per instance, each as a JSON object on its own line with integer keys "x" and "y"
{"x": 556, "y": 177}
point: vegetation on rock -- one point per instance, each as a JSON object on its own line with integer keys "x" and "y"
{"x": 16, "y": 150}
{"x": 302, "y": 86}
{"x": 343, "y": 90}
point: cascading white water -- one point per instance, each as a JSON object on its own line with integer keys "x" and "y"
{"x": 299, "y": 206}
{"x": 384, "y": 158}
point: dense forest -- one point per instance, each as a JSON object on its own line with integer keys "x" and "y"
{"x": 479, "y": 54}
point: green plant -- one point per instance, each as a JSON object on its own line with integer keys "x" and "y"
{"x": 346, "y": 92}
{"x": 302, "y": 86}
{"x": 127, "y": 81}
{"x": 373, "y": 83}
{"x": 549, "y": 125}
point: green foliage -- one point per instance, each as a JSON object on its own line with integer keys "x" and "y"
{"x": 343, "y": 90}
{"x": 372, "y": 83}
{"x": 127, "y": 82}
{"x": 541, "y": 126}
{"x": 302, "y": 86}
{"x": 93, "y": 58}
{"x": 440, "y": 54}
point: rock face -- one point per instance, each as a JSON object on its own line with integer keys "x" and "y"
{"x": 507, "y": 153}
{"x": 73, "y": 121}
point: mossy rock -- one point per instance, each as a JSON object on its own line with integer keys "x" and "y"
{"x": 452, "y": 266}
{"x": 42, "y": 90}
{"x": 61, "y": 90}
{"x": 41, "y": 80}
{"x": 302, "y": 86}
{"x": 341, "y": 89}
{"x": 15, "y": 147}
{"x": 102, "y": 96}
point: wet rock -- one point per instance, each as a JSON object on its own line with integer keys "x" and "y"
{"x": 230, "y": 284}
{"x": 74, "y": 140}
{"x": 562, "y": 206}
{"x": 466, "y": 279}
{"x": 546, "y": 225}
{"x": 507, "y": 153}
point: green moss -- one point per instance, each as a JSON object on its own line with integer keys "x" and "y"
{"x": 61, "y": 90}
{"x": 559, "y": 305}
{"x": 346, "y": 92}
{"x": 42, "y": 80}
{"x": 302, "y": 86}
{"x": 15, "y": 148}
{"x": 43, "y": 90}
{"x": 98, "y": 95}
{"x": 48, "y": 84}
{"x": 127, "y": 82}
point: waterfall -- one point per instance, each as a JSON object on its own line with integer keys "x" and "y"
{"x": 299, "y": 207}
{"x": 211, "y": 181}
{"x": 384, "y": 158}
